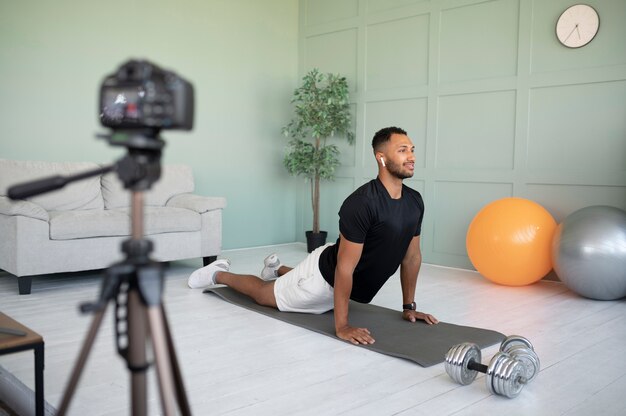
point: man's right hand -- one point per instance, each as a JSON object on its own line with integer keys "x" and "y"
{"x": 355, "y": 335}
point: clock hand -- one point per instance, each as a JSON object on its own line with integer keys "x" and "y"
{"x": 578, "y": 31}
{"x": 570, "y": 33}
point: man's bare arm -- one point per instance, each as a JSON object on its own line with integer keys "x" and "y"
{"x": 409, "y": 270}
{"x": 347, "y": 259}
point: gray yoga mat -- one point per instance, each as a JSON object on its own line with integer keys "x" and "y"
{"x": 423, "y": 344}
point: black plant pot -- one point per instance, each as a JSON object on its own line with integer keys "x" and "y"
{"x": 315, "y": 240}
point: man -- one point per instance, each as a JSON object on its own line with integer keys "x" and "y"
{"x": 379, "y": 226}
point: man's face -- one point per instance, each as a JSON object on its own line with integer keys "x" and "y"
{"x": 400, "y": 156}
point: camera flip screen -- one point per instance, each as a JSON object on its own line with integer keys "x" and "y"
{"x": 122, "y": 105}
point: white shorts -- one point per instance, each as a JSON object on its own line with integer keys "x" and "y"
{"x": 304, "y": 289}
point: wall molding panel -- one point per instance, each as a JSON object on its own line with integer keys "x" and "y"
{"x": 495, "y": 106}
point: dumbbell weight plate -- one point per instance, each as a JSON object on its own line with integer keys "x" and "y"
{"x": 512, "y": 380}
{"x": 493, "y": 370}
{"x": 452, "y": 362}
{"x": 529, "y": 359}
{"x": 515, "y": 340}
{"x": 505, "y": 376}
{"x": 457, "y": 360}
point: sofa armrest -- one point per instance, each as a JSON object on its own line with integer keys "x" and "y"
{"x": 22, "y": 207}
{"x": 197, "y": 203}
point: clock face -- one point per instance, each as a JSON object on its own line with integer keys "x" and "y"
{"x": 577, "y": 25}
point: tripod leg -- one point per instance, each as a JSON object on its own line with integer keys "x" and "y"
{"x": 82, "y": 359}
{"x": 183, "y": 403}
{"x": 137, "y": 328}
{"x": 164, "y": 366}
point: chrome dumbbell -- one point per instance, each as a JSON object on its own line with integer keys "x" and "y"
{"x": 507, "y": 373}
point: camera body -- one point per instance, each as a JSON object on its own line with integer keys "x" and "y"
{"x": 140, "y": 95}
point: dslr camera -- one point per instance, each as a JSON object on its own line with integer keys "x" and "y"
{"x": 140, "y": 95}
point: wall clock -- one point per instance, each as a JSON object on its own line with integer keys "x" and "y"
{"x": 577, "y": 25}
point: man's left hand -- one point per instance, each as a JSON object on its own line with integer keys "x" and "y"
{"x": 413, "y": 316}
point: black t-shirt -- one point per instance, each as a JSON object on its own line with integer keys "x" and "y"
{"x": 384, "y": 226}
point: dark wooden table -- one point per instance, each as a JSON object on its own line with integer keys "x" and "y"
{"x": 15, "y": 337}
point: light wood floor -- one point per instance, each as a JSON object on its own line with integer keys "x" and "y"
{"x": 236, "y": 362}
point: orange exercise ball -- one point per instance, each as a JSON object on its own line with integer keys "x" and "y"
{"x": 509, "y": 241}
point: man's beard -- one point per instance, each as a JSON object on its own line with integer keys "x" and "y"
{"x": 396, "y": 170}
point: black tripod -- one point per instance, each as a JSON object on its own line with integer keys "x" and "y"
{"x": 135, "y": 284}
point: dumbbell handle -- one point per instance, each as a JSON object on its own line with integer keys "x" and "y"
{"x": 481, "y": 368}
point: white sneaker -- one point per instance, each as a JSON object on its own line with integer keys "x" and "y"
{"x": 272, "y": 264}
{"x": 205, "y": 276}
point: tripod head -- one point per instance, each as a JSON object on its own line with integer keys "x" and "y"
{"x": 141, "y": 167}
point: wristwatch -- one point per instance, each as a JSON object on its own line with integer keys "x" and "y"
{"x": 409, "y": 306}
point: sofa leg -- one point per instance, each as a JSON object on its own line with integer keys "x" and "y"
{"x": 208, "y": 260}
{"x": 24, "y": 284}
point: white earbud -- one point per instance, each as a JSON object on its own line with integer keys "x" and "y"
{"x": 382, "y": 160}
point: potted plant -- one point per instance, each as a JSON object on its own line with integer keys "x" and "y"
{"x": 322, "y": 111}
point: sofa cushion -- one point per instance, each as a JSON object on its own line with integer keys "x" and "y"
{"x": 67, "y": 225}
{"x": 168, "y": 220}
{"x": 83, "y": 194}
{"x": 175, "y": 179}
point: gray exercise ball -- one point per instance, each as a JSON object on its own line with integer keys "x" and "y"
{"x": 589, "y": 252}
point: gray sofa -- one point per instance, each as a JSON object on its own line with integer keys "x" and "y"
{"x": 82, "y": 226}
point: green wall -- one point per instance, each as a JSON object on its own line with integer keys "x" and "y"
{"x": 241, "y": 56}
{"x": 494, "y": 104}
